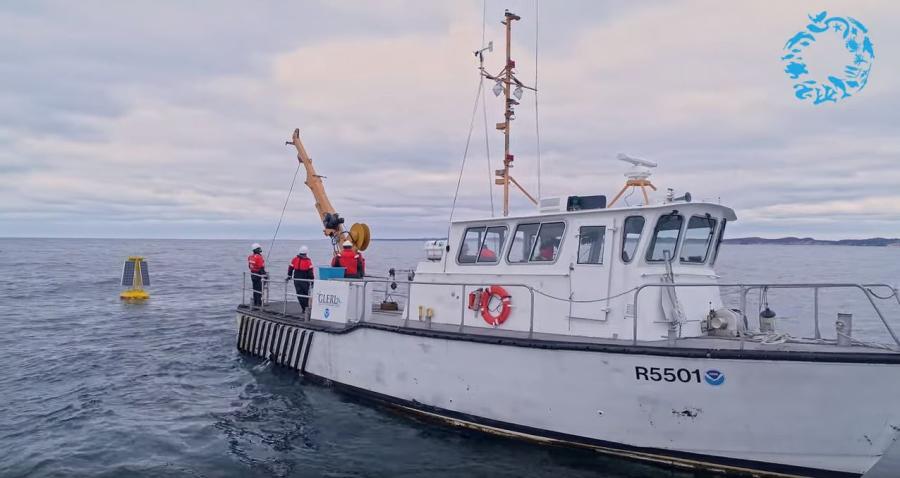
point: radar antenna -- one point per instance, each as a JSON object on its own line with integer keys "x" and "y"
{"x": 638, "y": 177}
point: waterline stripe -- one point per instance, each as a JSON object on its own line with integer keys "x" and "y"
{"x": 277, "y": 344}
{"x": 306, "y": 352}
{"x": 241, "y": 331}
{"x": 299, "y": 351}
{"x": 287, "y": 360}
{"x": 257, "y": 323}
{"x": 284, "y": 345}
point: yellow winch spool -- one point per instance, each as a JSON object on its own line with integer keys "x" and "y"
{"x": 360, "y": 236}
{"x": 135, "y": 275}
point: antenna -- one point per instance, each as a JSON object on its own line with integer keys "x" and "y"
{"x": 505, "y": 80}
{"x": 480, "y": 53}
{"x": 636, "y": 161}
{"x": 638, "y": 176}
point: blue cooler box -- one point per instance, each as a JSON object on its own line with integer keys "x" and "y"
{"x": 326, "y": 273}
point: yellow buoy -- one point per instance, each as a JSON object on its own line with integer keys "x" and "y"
{"x": 135, "y": 275}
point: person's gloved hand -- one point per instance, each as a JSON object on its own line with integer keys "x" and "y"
{"x": 287, "y": 279}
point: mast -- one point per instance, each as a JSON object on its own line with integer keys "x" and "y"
{"x": 505, "y": 80}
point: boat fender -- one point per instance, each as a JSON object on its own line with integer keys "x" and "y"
{"x": 487, "y": 295}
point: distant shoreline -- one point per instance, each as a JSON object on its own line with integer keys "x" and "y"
{"x": 808, "y": 241}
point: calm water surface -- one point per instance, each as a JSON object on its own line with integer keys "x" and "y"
{"x": 93, "y": 386}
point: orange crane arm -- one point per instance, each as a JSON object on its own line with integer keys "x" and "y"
{"x": 332, "y": 222}
{"x": 326, "y": 211}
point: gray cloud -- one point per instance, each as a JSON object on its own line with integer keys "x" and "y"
{"x": 165, "y": 119}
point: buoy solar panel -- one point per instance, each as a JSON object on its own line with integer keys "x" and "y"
{"x": 135, "y": 275}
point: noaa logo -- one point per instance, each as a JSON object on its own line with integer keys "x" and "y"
{"x": 714, "y": 377}
{"x": 836, "y": 85}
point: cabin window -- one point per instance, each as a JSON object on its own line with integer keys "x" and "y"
{"x": 697, "y": 238}
{"x": 492, "y": 245}
{"x": 523, "y": 243}
{"x": 715, "y": 254}
{"x": 468, "y": 250}
{"x": 482, "y": 245}
{"x": 634, "y": 226}
{"x": 536, "y": 242}
{"x": 590, "y": 244}
{"x": 547, "y": 246}
{"x": 665, "y": 238}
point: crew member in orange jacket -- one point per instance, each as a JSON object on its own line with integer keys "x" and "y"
{"x": 257, "y": 264}
{"x": 301, "y": 272}
{"x": 487, "y": 255}
{"x": 352, "y": 261}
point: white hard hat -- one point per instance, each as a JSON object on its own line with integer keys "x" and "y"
{"x": 347, "y": 243}
{"x": 255, "y": 246}
{"x": 304, "y": 250}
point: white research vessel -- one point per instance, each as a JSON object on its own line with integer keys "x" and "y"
{"x": 593, "y": 325}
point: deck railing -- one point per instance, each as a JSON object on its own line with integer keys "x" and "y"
{"x": 744, "y": 288}
{"x": 464, "y": 287}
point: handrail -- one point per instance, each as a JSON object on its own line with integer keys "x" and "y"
{"x": 462, "y": 300}
{"x": 745, "y": 288}
{"x": 366, "y": 281}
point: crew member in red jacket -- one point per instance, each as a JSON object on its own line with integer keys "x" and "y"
{"x": 487, "y": 255}
{"x": 301, "y": 272}
{"x": 352, "y": 261}
{"x": 257, "y": 264}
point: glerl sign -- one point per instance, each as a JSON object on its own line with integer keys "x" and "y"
{"x": 330, "y": 300}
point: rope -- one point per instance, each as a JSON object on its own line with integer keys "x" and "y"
{"x": 630, "y": 193}
{"x": 280, "y": 218}
{"x": 487, "y": 145}
{"x": 566, "y": 299}
{"x": 465, "y": 152}
{"x": 537, "y": 120}
{"x": 892, "y": 294}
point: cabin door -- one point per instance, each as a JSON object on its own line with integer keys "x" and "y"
{"x": 589, "y": 279}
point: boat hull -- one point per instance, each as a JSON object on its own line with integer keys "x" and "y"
{"x": 775, "y": 416}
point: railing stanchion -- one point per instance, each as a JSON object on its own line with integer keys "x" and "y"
{"x": 362, "y": 317}
{"x": 634, "y": 324}
{"x": 531, "y": 322}
{"x": 744, "y": 324}
{"x": 284, "y": 304}
{"x": 817, "y": 333}
{"x": 244, "y": 289}
{"x": 462, "y": 307}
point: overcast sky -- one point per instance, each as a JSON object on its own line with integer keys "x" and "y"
{"x": 168, "y": 119}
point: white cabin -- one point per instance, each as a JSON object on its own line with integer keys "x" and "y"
{"x": 582, "y": 267}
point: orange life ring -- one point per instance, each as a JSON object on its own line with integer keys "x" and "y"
{"x": 489, "y": 292}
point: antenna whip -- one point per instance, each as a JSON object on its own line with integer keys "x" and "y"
{"x": 537, "y": 118}
{"x": 487, "y": 144}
